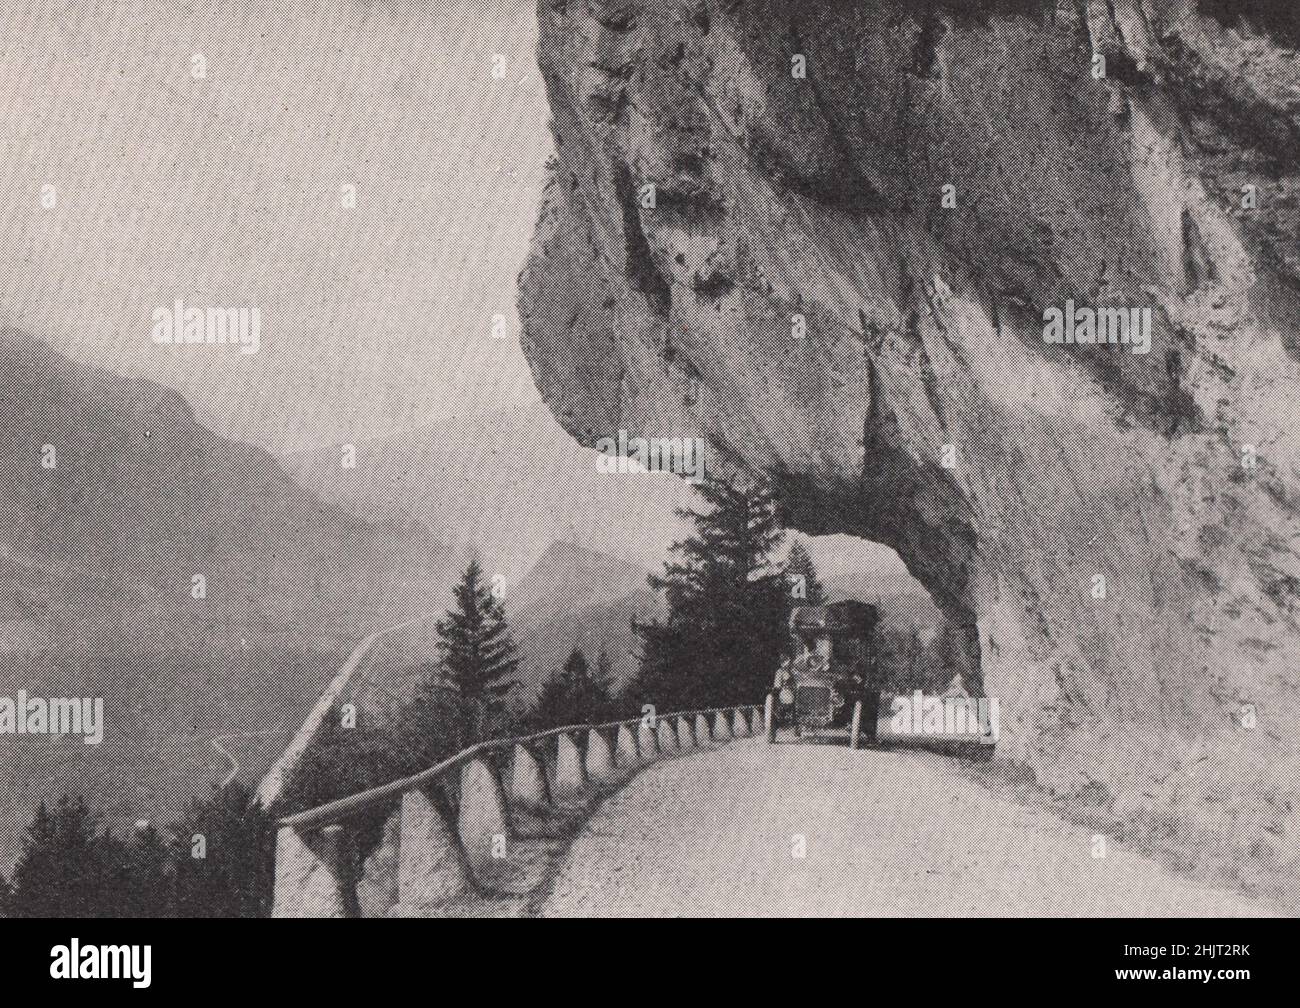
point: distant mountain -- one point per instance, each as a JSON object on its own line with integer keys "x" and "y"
{"x": 568, "y": 577}
{"x": 505, "y": 484}
{"x": 113, "y": 498}
{"x": 575, "y": 597}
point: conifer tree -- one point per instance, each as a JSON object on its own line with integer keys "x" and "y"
{"x": 59, "y": 873}
{"x": 575, "y": 695}
{"x": 224, "y": 853}
{"x": 478, "y": 655}
{"x": 135, "y": 875}
{"x": 728, "y": 603}
{"x": 604, "y": 672}
{"x": 805, "y": 587}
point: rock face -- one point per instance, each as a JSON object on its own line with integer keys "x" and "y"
{"x": 825, "y": 238}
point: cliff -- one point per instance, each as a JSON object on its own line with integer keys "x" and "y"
{"x": 825, "y": 237}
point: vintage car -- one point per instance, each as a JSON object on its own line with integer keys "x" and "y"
{"x": 827, "y": 685}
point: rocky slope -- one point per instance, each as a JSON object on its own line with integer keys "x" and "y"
{"x": 840, "y": 277}
{"x": 574, "y": 597}
{"x": 101, "y": 546}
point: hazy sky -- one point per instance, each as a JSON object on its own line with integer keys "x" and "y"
{"x": 226, "y": 188}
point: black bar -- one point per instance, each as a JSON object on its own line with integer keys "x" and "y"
{"x": 978, "y": 960}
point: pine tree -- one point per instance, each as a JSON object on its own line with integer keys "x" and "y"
{"x": 148, "y": 876}
{"x": 728, "y": 604}
{"x": 805, "y": 587}
{"x": 36, "y": 884}
{"x": 427, "y": 727}
{"x": 58, "y": 874}
{"x": 576, "y": 668}
{"x": 224, "y": 856}
{"x": 133, "y": 876}
{"x": 477, "y": 655}
{"x": 604, "y": 672}
{"x": 573, "y": 696}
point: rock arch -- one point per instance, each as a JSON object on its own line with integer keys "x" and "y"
{"x": 1120, "y": 526}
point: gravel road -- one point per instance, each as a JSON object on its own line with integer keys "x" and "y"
{"x": 717, "y": 833}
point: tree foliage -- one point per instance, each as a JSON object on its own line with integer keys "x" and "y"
{"x": 805, "y": 586}
{"x": 728, "y": 604}
{"x": 224, "y": 854}
{"x": 478, "y": 656}
{"x": 70, "y": 867}
{"x": 575, "y": 695}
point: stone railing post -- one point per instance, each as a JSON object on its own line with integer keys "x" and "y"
{"x": 570, "y": 775}
{"x": 757, "y": 727}
{"x": 432, "y": 870}
{"x": 315, "y": 874}
{"x": 646, "y": 742}
{"x": 527, "y": 781}
{"x": 627, "y": 752}
{"x": 599, "y": 761}
{"x": 444, "y": 857}
{"x": 483, "y": 821}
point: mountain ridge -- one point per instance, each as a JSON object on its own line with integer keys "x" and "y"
{"x": 99, "y": 549}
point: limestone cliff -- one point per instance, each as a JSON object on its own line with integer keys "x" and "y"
{"x": 824, "y": 236}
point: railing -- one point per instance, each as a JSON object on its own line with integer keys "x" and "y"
{"x": 448, "y": 826}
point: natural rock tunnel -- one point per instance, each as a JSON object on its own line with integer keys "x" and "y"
{"x": 824, "y": 237}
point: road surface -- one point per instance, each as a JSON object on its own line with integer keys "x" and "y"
{"x": 718, "y": 833}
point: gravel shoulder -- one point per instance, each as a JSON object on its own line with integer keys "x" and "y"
{"x": 716, "y": 833}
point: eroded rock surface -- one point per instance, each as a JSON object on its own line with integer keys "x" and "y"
{"x": 1121, "y": 527}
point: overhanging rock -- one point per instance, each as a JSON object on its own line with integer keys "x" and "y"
{"x": 825, "y": 237}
